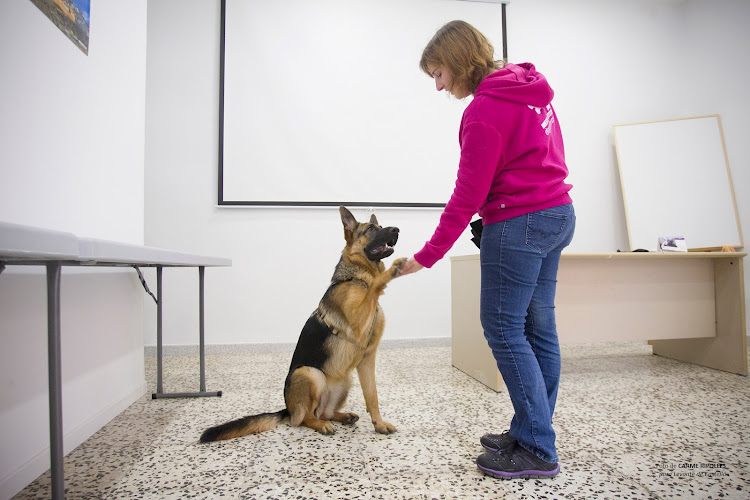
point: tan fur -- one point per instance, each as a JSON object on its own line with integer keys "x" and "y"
{"x": 351, "y": 314}
{"x": 257, "y": 426}
{"x": 359, "y": 323}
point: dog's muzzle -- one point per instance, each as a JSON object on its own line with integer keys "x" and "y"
{"x": 383, "y": 243}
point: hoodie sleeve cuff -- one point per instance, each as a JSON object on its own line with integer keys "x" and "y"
{"x": 425, "y": 258}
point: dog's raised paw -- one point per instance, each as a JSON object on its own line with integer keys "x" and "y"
{"x": 397, "y": 265}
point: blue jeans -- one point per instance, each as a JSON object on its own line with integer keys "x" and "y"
{"x": 519, "y": 260}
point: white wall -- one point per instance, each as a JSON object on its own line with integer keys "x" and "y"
{"x": 282, "y": 258}
{"x": 72, "y": 148}
{"x": 608, "y": 61}
{"x": 71, "y": 157}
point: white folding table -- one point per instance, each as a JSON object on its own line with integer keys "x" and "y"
{"x": 26, "y": 245}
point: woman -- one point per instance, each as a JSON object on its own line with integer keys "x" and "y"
{"x": 511, "y": 171}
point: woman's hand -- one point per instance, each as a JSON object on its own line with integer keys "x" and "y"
{"x": 411, "y": 266}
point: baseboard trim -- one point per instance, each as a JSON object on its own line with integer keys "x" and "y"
{"x": 18, "y": 479}
{"x": 178, "y": 350}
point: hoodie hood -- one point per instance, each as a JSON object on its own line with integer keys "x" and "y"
{"x": 519, "y": 83}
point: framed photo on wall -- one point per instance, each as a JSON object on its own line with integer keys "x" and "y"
{"x": 71, "y": 17}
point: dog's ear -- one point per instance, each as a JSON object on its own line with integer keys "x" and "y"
{"x": 350, "y": 223}
{"x": 374, "y": 220}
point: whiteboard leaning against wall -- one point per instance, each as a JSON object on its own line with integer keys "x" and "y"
{"x": 676, "y": 181}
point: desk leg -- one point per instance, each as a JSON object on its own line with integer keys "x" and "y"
{"x": 726, "y": 351}
{"x": 55, "y": 380}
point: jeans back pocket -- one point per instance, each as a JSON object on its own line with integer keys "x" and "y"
{"x": 545, "y": 229}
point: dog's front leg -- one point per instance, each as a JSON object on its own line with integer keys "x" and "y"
{"x": 366, "y": 372}
{"x": 387, "y": 276}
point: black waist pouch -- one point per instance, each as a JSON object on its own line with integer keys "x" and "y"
{"x": 476, "y": 231}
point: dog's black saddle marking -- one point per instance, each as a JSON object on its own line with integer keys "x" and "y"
{"x": 311, "y": 350}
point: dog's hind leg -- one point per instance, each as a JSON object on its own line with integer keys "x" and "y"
{"x": 347, "y": 418}
{"x": 306, "y": 392}
{"x": 338, "y": 392}
{"x": 323, "y": 426}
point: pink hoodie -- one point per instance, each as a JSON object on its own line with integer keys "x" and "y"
{"x": 512, "y": 157}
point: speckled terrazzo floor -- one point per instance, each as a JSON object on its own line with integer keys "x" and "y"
{"x": 630, "y": 425}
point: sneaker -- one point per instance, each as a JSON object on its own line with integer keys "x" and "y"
{"x": 497, "y": 442}
{"x": 514, "y": 462}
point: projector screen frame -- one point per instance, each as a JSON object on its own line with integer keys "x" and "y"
{"x": 222, "y": 202}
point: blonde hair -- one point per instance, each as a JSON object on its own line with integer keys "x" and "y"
{"x": 466, "y": 52}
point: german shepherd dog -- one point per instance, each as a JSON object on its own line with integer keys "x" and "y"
{"x": 341, "y": 334}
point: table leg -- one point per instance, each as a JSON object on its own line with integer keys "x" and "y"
{"x": 202, "y": 332}
{"x": 160, "y": 394}
{"x": 55, "y": 380}
{"x": 159, "y": 388}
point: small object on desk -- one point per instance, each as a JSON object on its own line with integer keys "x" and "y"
{"x": 672, "y": 244}
{"x": 727, "y": 248}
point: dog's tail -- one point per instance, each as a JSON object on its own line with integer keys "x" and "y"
{"x": 252, "y": 424}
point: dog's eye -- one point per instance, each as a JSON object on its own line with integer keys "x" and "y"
{"x": 370, "y": 229}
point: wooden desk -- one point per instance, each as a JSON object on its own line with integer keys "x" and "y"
{"x": 689, "y": 306}
{"x": 30, "y": 246}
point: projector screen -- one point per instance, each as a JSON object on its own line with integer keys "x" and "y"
{"x": 324, "y": 102}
